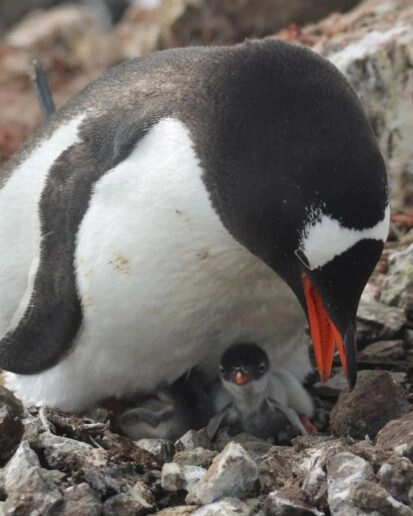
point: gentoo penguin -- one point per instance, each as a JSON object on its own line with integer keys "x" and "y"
{"x": 252, "y": 393}
{"x": 184, "y": 201}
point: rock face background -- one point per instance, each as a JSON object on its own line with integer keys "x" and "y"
{"x": 361, "y": 461}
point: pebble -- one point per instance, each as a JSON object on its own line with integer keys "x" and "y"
{"x": 383, "y": 350}
{"x": 161, "y": 448}
{"x": 396, "y": 475}
{"x": 371, "y": 498}
{"x": 232, "y": 473}
{"x": 290, "y": 502}
{"x": 375, "y": 400}
{"x": 397, "y": 435}
{"x": 197, "y": 457}
{"x": 386, "y": 321}
{"x": 176, "y": 477}
{"x": 225, "y": 507}
{"x": 81, "y": 500}
{"x": 343, "y": 471}
{"x": 193, "y": 439}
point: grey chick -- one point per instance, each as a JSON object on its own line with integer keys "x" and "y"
{"x": 169, "y": 412}
{"x": 253, "y": 397}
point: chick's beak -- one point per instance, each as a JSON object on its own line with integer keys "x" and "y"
{"x": 326, "y": 337}
{"x": 241, "y": 378}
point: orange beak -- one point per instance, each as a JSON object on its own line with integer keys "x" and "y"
{"x": 241, "y": 378}
{"x": 324, "y": 334}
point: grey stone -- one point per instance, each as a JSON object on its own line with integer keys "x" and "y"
{"x": 397, "y": 436}
{"x": 232, "y": 473}
{"x": 255, "y": 446}
{"x": 161, "y": 448}
{"x": 81, "y": 500}
{"x": 193, "y": 439}
{"x": 225, "y": 507}
{"x": 384, "y": 350}
{"x": 176, "y": 477}
{"x": 197, "y": 457}
{"x": 290, "y": 502}
{"x": 398, "y": 278}
{"x": 370, "y": 498}
{"x": 375, "y": 400}
{"x": 137, "y": 500}
{"x": 59, "y": 451}
{"x": 343, "y": 471}
{"x": 332, "y": 387}
{"x": 396, "y": 475}
{"x": 180, "y": 510}
{"x": 29, "y": 487}
{"x": 386, "y": 322}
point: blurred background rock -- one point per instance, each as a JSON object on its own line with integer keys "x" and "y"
{"x": 370, "y": 41}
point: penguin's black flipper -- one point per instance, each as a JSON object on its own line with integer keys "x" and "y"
{"x": 50, "y": 313}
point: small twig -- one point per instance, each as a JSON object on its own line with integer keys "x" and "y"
{"x": 44, "y": 97}
{"x": 95, "y": 442}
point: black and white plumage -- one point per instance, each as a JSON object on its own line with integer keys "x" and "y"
{"x": 252, "y": 394}
{"x": 174, "y": 206}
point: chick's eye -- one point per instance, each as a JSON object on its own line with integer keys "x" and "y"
{"x": 221, "y": 369}
{"x": 262, "y": 367}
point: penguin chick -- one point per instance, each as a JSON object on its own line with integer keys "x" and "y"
{"x": 252, "y": 396}
{"x": 169, "y": 412}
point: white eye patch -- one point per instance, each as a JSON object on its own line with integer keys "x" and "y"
{"x": 324, "y": 238}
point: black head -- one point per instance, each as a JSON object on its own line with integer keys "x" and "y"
{"x": 242, "y": 363}
{"x": 299, "y": 180}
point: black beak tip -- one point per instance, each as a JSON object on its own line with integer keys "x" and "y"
{"x": 351, "y": 350}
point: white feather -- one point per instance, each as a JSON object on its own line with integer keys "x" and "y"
{"x": 163, "y": 284}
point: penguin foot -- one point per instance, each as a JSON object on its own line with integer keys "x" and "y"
{"x": 308, "y": 425}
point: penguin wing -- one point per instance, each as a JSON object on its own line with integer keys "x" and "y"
{"x": 217, "y": 421}
{"x": 49, "y": 316}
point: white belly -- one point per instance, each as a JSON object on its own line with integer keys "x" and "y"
{"x": 163, "y": 285}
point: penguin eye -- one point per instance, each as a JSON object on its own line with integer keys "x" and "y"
{"x": 262, "y": 367}
{"x": 221, "y": 369}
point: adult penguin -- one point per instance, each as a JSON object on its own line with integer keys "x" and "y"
{"x": 184, "y": 201}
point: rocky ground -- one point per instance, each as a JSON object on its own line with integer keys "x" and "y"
{"x": 361, "y": 460}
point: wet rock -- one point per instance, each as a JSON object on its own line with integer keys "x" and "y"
{"x": 290, "y": 502}
{"x": 29, "y": 487}
{"x": 226, "y": 506}
{"x": 193, "y": 439}
{"x": 344, "y": 470}
{"x": 332, "y": 387}
{"x": 397, "y": 435}
{"x": 396, "y": 475}
{"x": 176, "y": 477}
{"x": 370, "y": 498}
{"x": 383, "y": 350}
{"x": 232, "y": 473}
{"x": 11, "y": 426}
{"x": 197, "y": 457}
{"x": 81, "y": 500}
{"x": 375, "y": 400}
{"x": 162, "y": 449}
{"x": 386, "y": 322}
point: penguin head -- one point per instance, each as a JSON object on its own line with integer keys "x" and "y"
{"x": 244, "y": 370}
{"x": 303, "y": 186}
